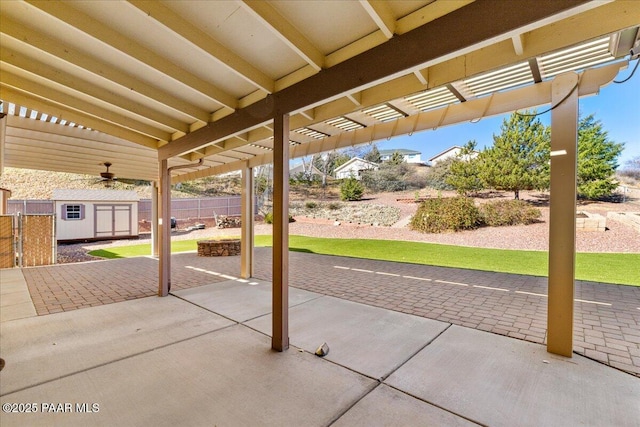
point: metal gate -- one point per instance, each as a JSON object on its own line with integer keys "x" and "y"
{"x": 27, "y": 240}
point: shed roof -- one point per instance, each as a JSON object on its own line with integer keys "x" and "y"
{"x": 95, "y": 195}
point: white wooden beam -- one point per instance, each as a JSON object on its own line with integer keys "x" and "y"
{"x": 286, "y": 32}
{"x": 381, "y": 14}
{"x": 518, "y": 44}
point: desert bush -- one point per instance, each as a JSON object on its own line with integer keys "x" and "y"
{"x": 436, "y": 178}
{"x": 508, "y": 212}
{"x": 333, "y": 206}
{"x": 310, "y": 205}
{"x": 446, "y": 214}
{"x": 392, "y": 177}
{"x": 351, "y": 189}
{"x": 268, "y": 218}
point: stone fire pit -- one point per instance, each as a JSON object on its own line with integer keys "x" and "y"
{"x": 221, "y": 247}
{"x": 587, "y": 221}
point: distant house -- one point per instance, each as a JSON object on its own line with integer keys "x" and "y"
{"x": 297, "y": 170}
{"x": 95, "y": 214}
{"x": 451, "y": 152}
{"x": 410, "y": 156}
{"x": 354, "y": 167}
{"x": 448, "y": 153}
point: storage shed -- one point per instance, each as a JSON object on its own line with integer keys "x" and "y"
{"x": 95, "y": 214}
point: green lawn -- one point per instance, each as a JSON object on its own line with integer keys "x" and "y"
{"x": 597, "y": 267}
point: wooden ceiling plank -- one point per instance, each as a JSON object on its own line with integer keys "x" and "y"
{"x": 101, "y": 69}
{"x": 79, "y": 20}
{"x": 428, "y": 13}
{"x": 35, "y": 67}
{"x": 55, "y": 96}
{"x": 199, "y": 38}
{"x": 10, "y": 95}
{"x": 286, "y": 32}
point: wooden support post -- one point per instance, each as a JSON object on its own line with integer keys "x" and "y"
{"x": 3, "y": 136}
{"x": 562, "y": 222}
{"x": 247, "y": 218}
{"x": 164, "y": 266}
{"x": 155, "y": 215}
{"x": 280, "y": 323}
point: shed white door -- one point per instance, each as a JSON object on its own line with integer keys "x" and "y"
{"x": 112, "y": 220}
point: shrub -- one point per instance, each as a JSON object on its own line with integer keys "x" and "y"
{"x": 310, "y": 205}
{"x": 351, "y": 189}
{"x": 334, "y": 206}
{"x": 446, "y": 214}
{"x": 508, "y": 212}
{"x": 268, "y": 218}
{"x": 437, "y": 176}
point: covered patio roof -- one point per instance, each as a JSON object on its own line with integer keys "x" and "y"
{"x": 85, "y": 83}
{"x": 152, "y": 87}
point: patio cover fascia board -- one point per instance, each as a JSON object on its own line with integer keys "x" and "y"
{"x": 366, "y": 69}
{"x": 591, "y": 81}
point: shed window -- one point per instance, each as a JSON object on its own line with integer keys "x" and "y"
{"x": 72, "y": 212}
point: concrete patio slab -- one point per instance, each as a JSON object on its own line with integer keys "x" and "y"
{"x": 387, "y": 407}
{"x": 227, "y": 378}
{"x": 369, "y": 340}
{"x": 44, "y": 348}
{"x": 499, "y": 381}
{"x": 239, "y": 300}
{"x": 15, "y": 300}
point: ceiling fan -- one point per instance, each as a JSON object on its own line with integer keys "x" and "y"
{"x": 108, "y": 177}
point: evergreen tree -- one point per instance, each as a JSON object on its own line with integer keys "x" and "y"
{"x": 396, "y": 158}
{"x": 373, "y": 155}
{"x": 328, "y": 162}
{"x": 464, "y": 171}
{"x": 519, "y": 158}
{"x": 597, "y": 159}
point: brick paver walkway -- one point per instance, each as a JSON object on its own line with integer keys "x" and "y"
{"x": 607, "y": 317}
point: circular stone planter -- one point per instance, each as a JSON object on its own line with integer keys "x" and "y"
{"x": 222, "y": 247}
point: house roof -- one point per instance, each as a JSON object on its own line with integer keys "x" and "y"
{"x": 403, "y": 151}
{"x": 94, "y": 195}
{"x": 366, "y": 163}
{"x": 300, "y": 168}
{"x": 132, "y": 82}
{"x": 455, "y": 147}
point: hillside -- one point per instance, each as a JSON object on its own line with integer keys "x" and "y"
{"x": 33, "y": 184}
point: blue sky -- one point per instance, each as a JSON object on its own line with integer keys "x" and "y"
{"x": 617, "y": 106}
